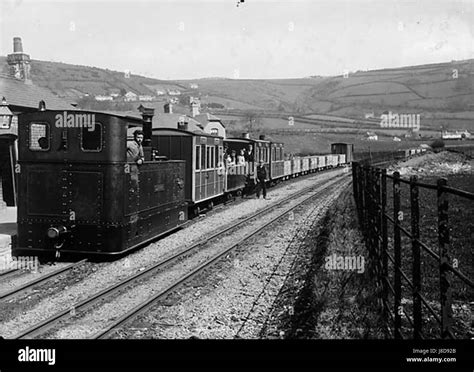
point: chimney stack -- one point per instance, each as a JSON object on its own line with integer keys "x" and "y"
{"x": 194, "y": 108}
{"x": 246, "y": 135}
{"x": 168, "y": 108}
{"x": 147, "y": 115}
{"x": 19, "y": 62}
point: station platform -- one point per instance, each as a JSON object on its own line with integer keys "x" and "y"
{"x": 7, "y": 228}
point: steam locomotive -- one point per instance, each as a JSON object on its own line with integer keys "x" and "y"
{"x": 79, "y": 196}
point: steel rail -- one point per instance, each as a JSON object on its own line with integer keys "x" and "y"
{"x": 50, "y": 322}
{"x": 139, "y": 309}
{"x": 29, "y": 285}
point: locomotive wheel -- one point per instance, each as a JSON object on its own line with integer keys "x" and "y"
{"x": 210, "y": 205}
{"x": 196, "y": 211}
{"x": 239, "y": 193}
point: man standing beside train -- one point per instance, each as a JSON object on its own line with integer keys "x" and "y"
{"x": 135, "y": 148}
{"x": 261, "y": 176}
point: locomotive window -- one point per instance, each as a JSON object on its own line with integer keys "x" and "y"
{"x": 91, "y": 140}
{"x": 39, "y": 137}
{"x": 198, "y": 157}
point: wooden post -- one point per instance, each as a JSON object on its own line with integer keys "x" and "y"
{"x": 415, "y": 232}
{"x": 384, "y": 241}
{"x": 443, "y": 241}
{"x": 398, "y": 255}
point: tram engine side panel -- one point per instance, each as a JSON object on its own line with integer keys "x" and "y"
{"x": 78, "y": 195}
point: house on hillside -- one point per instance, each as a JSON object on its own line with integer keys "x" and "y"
{"x": 145, "y": 98}
{"x": 194, "y": 86}
{"x": 174, "y": 92}
{"x": 455, "y": 135}
{"x": 371, "y": 136}
{"x": 130, "y": 97}
{"x": 160, "y": 92}
{"x": 370, "y": 115}
{"x": 103, "y": 98}
{"x": 396, "y": 139}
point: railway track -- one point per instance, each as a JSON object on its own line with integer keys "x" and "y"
{"x": 7, "y": 273}
{"x": 80, "y": 307}
{"x": 141, "y": 308}
{"x": 33, "y": 283}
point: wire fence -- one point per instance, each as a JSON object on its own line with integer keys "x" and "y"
{"x": 416, "y": 293}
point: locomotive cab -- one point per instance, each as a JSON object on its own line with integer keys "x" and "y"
{"x": 78, "y": 194}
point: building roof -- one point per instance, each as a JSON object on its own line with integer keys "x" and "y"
{"x": 163, "y": 120}
{"x": 205, "y": 116}
{"x": 17, "y": 93}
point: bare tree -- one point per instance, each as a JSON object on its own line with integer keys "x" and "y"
{"x": 252, "y": 121}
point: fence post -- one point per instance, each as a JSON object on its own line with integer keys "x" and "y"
{"x": 398, "y": 256}
{"x": 354, "y": 183}
{"x": 364, "y": 200}
{"x": 378, "y": 227}
{"x": 443, "y": 240}
{"x": 415, "y": 232}
{"x": 384, "y": 242}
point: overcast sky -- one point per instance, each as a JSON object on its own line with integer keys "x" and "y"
{"x": 259, "y": 39}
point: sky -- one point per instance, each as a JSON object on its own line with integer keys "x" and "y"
{"x": 260, "y": 39}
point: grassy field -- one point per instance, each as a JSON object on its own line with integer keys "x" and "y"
{"x": 429, "y": 90}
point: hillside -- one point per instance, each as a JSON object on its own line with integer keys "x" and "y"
{"x": 441, "y": 92}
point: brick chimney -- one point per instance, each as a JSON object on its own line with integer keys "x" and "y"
{"x": 194, "y": 108}
{"x": 168, "y": 108}
{"x": 19, "y": 62}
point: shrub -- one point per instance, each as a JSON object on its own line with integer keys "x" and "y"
{"x": 437, "y": 144}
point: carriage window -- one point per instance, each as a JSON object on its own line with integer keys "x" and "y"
{"x": 216, "y": 156}
{"x": 198, "y": 158}
{"x": 208, "y": 157}
{"x": 203, "y": 156}
{"x": 221, "y": 155}
{"x": 39, "y": 137}
{"x": 91, "y": 140}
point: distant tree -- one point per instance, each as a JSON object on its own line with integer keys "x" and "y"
{"x": 252, "y": 121}
{"x": 123, "y": 92}
{"x": 437, "y": 145}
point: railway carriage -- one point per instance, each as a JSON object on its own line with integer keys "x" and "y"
{"x": 277, "y": 165}
{"x": 343, "y": 148}
{"x": 304, "y": 165}
{"x": 204, "y": 157}
{"x": 287, "y": 169}
{"x": 321, "y": 162}
{"x": 244, "y": 178}
{"x": 295, "y": 166}
{"x": 77, "y": 194}
{"x": 313, "y": 163}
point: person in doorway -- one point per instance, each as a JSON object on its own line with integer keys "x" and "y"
{"x": 135, "y": 148}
